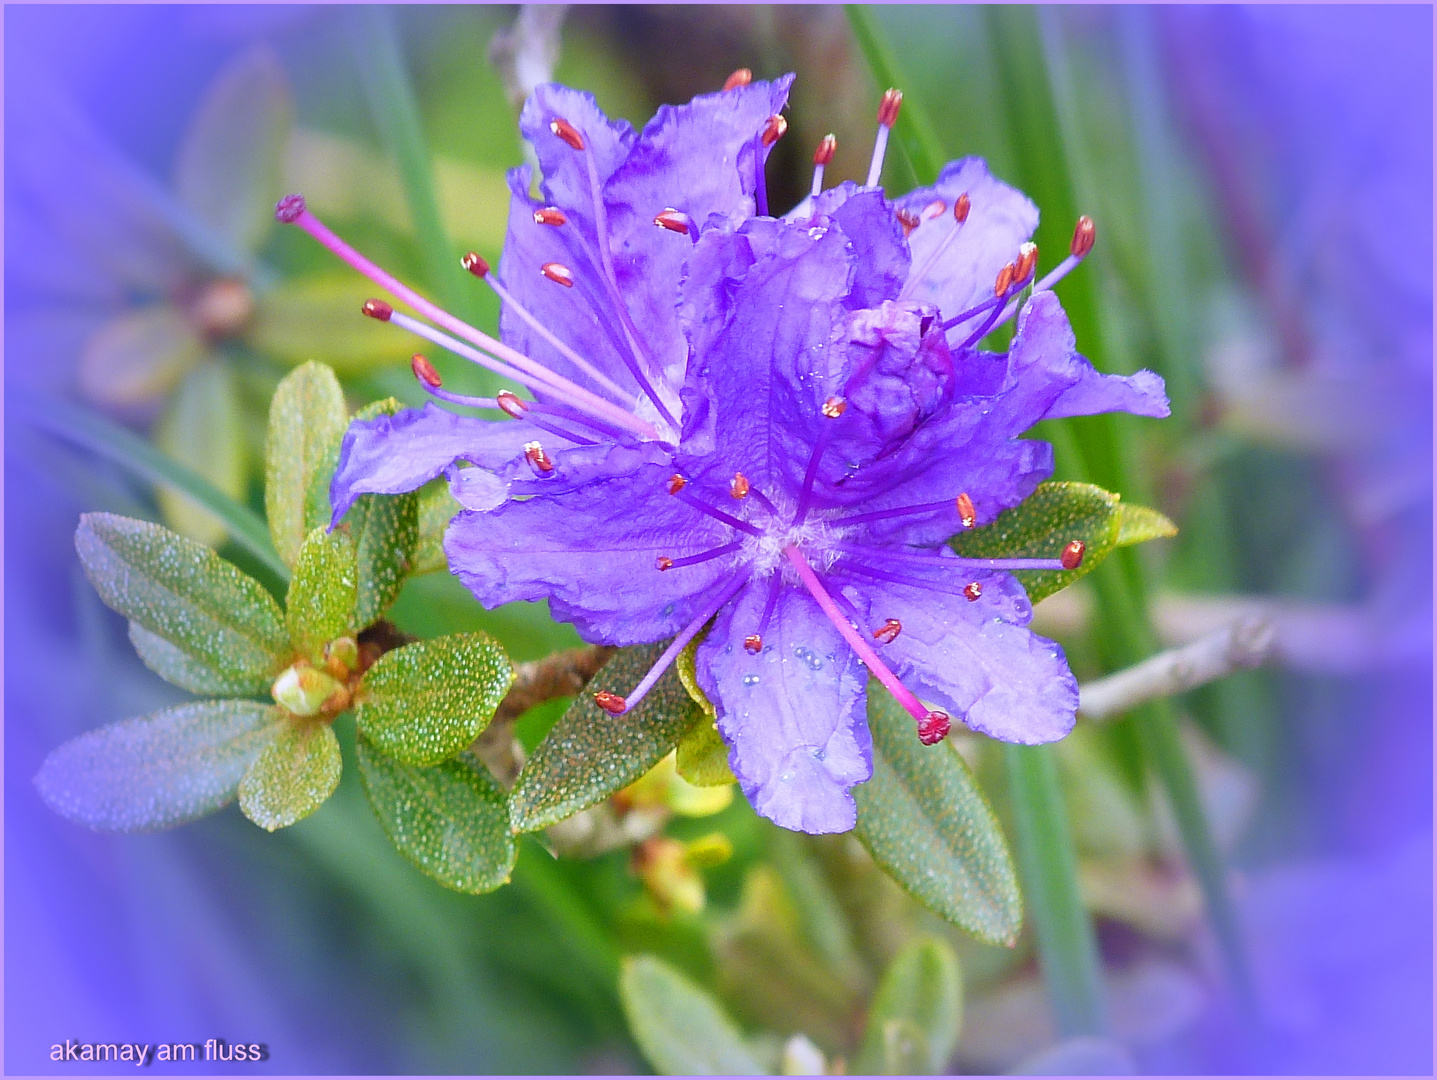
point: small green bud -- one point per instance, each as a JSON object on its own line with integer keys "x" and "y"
{"x": 343, "y": 651}
{"x": 303, "y": 690}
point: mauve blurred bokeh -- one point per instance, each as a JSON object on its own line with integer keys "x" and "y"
{"x": 1262, "y": 179}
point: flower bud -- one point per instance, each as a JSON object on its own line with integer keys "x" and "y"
{"x": 303, "y": 690}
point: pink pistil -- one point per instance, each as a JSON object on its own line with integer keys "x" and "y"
{"x": 956, "y": 562}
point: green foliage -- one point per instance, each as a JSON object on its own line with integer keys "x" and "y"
{"x": 437, "y": 508}
{"x": 915, "y": 1017}
{"x": 702, "y": 757}
{"x": 1041, "y": 525}
{"x": 174, "y": 665}
{"x": 589, "y": 754}
{"x": 924, "y": 820}
{"x": 229, "y": 631}
{"x": 292, "y": 776}
{"x": 1138, "y": 524}
{"x": 680, "y": 1029}
{"x": 320, "y": 604}
{"x": 451, "y": 819}
{"x": 202, "y": 424}
{"x": 425, "y": 702}
{"x": 157, "y": 771}
{"x": 306, "y": 417}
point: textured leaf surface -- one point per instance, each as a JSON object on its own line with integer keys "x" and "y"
{"x": 921, "y": 987}
{"x": 923, "y": 819}
{"x": 185, "y": 593}
{"x": 306, "y": 416}
{"x": 451, "y": 820}
{"x": 681, "y": 1030}
{"x": 426, "y": 702}
{"x": 1139, "y": 524}
{"x": 322, "y": 593}
{"x": 703, "y": 757}
{"x": 201, "y": 429}
{"x": 187, "y": 671}
{"x": 156, "y": 771}
{"x": 1041, "y": 525}
{"x": 292, "y": 776}
{"x": 589, "y": 754}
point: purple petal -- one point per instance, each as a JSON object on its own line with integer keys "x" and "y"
{"x": 793, "y": 715}
{"x": 565, "y": 181}
{"x": 1000, "y": 678}
{"x": 592, "y": 553}
{"x": 881, "y": 257}
{"x": 1141, "y": 394}
{"x": 1000, "y": 219}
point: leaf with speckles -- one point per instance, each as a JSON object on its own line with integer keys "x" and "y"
{"x": 320, "y": 604}
{"x": 306, "y": 416}
{"x": 216, "y": 617}
{"x": 451, "y": 820}
{"x": 425, "y": 702}
{"x": 158, "y": 771}
{"x": 924, "y": 820}
{"x": 385, "y": 528}
{"x": 681, "y": 1030}
{"x": 1139, "y": 524}
{"x": 1040, "y": 526}
{"x": 176, "y": 666}
{"x": 589, "y": 754}
{"x": 292, "y": 776}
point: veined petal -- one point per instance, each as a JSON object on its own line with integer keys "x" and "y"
{"x": 596, "y": 566}
{"x": 881, "y": 255}
{"x": 565, "y": 182}
{"x": 794, "y": 714}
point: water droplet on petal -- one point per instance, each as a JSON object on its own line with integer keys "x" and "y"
{"x": 750, "y": 680}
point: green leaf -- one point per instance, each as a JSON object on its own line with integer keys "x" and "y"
{"x": 160, "y": 770}
{"x": 684, "y": 665}
{"x": 923, "y": 819}
{"x": 314, "y": 316}
{"x": 306, "y": 416}
{"x": 921, "y": 988}
{"x": 437, "y": 508}
{"x": 385, "y": 529}
{"x": 201, "y": 429}
{"x": 680, "y": 1029}
{"x": 589, "y": 754}
{"x": 292, "y": 776}
{"x": 903, "y": 1049}
{"x": 174, "y": 665}
{"x": 426, "y": 702}
{"x": 185, "y": 593}
{"x": 320, "y": 604}
{"x": 451, "y": 820}
{"x": 1040, "y": 526}
{"x": 127, "y": 450}
{"x": 914, "y": 131}
{"x": 1139, "y": 524}
{"x": 703, "y": 757}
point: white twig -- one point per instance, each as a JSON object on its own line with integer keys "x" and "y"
{"x": 1246, "y": 643}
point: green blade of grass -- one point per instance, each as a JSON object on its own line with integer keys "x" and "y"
{"x": 914, "y": 132}
{"x": 93, "y": 432}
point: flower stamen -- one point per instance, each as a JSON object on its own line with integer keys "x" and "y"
{"x": 887, "y": 117}
{"x": 740, "y": 77}
{"x": 961, "y": 207}
{"x": 663, "y": 562}
{"x": 960, "y": 562}
{"x": 821, "y": 158}
{"x": 550, "y": 215}
{"x": 712, "y": 511}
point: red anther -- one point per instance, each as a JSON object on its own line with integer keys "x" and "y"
{"x": 967, "y": 516}
{"x": 908, "y": 220}
{"x": 834, "y": 407}
{"x": 1083, "y": 236}
{"x": 676, "y": 484}
{"x": 753, "y": 643}
{"x": 550, "y": 215}
{"x": 1072, "y": 556}
{"x": 567, "y": 131}
{"x": 610, "y": 703}
{"x": 889, "y": 106}
{"x": 774, "y": 129}
{"x": 973, "y": 590}
{"x": 1005, "y": 278}
{"x": 824, "y": 154}
{"x": 672, "y": 220}
{"x": 739, "y": 488}
{"x": 289, "y": 208}
{"x": 933, "y": 728}
{"x": 537, "y": 458}
{"x": 1027, "y": 261}
{"x": 663, "y": 562}
{"x": 424, "y": 371}
{"x": 377, "y": 309}
{"x": 514, "y": 405}
{"x": 741, "y": 77}
{"x": 961, "y": 207}
{"x": 933, "y": 210}
{"x": 475, "y": 263}
{"x": 558, "y": 272}
{"x": 888, "y": 631}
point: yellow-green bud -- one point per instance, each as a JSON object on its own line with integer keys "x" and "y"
{"x": 303, "y": 690}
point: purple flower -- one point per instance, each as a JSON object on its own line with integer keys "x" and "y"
{"x": 789, "y": 418}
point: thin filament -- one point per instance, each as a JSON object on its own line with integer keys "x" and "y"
{"x": 956, "y": 562}
{"x": 704, "y": 556}
{"x": 875, "y": 166}
{"x": 715, "y": 512}
{"x": 686, "y": 635}
{"x": 928, "y": 263}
